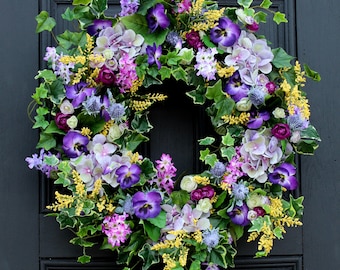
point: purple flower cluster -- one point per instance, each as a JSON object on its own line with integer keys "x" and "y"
{"x": 165, "y": 172}
{"x": 206, "y": 63}
{"x": 116, "y": 230}
{"x": 128, "y": 7}
{"x": 38, "y": 162}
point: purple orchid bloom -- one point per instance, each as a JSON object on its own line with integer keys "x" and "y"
{"x": 239, "y": 215}
{"x": 74, "y": 144}
{"x": 235, "y": 88}
{"x": 128, "y": 176}
{"x": 78, "y": 93}
{"x": 154, "y": 53}
{"x": 284, "y": 176}
{"x": 226, "y": 33}
{"x": 156, "y": 17}
{"x": 147, "y": 205}
{"x": 97, "y": 26}
{"x": 257, "y": 120}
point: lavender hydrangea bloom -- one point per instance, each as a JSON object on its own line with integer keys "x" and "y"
{"x": 74, "y": 144}
{"x": 128, "y": 7}
{"x": 97, "y": 26}
{"x": 147, "y": 205}
{"x": 78, "y": 93}
{"x": 284, "y": 176}
{"x": 128, "y": 175}
{"x": 239, "y": 215}
{"x": 156, "y": 17}
{"x": 154, "y": 53}
{"x": 226, "y": 33}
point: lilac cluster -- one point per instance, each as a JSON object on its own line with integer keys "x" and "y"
{"x": 206, "y": 63}
{"x": 115, "y": 228}
{"x": 234, "y": 169}
{"x": 39, "y": 162}
{"x": 128, "y": 7}
{"x": 165, "y": 172}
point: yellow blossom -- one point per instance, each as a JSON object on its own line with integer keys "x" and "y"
{"x": 63, "y": 201}
{"x": 134, "y": 157}
{"x": 183, "y": 255}
{"x": 224, "y": 72}
{"x": 242, "y": 119}
{"x": 96, "y": 189}
{"x": 202, "y": 180}
{"x": 197, "y": 235}
{"x": 197, "y": 7}
{"x": 107, "y": 127}
{"x": 85, "y": 131}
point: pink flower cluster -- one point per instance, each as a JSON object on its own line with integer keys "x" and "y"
{"x": 234, "y": 170}
{"x": 116, "y": 229}
{"x": 127, "y": 73}
{"x": 165, "y": 172}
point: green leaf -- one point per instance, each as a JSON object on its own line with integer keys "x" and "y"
{"x": 149, "y": 256}
{"x": 81, "y": 242}
{"x": 261, "y": 17}
{"x": 165, "y": 72}
{"x": 279, "y": 17}
{"x": 84, "y": 259}
{"x": 148, "y": 168}
{"x": 220, "y": 199}
{"x": 47, "y": 75}
{"x": 281, "y": 58}
{"x": 278, "y": 233}
{"x": 266, "y": 4}
{"x": 51, "y": 160}
{"x": 52, "y": 128}
{"x": 180, "y": 197}
{"x": 206, "y": 141}
{"x": 237, "y": 231}
{"x": 198, "y": 95}
{"x": 44, "y": 22}
{"x": 141, "y": 123}
{"x": 311, "y": 73}
{"x": 40, "y": 93}
{"x": 138, "y": 23}
{"x": 65, "y": 221}
{"x": 40, "y": 122}
{"x": 306, "y": 147}
{"x": 210, "y": 159}
{"x": 228, "y": 140}
{"x": 46, "y": 141}
{"x": 70, "y": 39}
{"x": 134, "y": 140}
{"x": 215, "y": 92}
{"x": 159, "y": 221}
{"x": 245, "y": 3}
{"x": 179, "y": 74}
{"x": 228, "y": 152}
{"x": 81, "y": 2}
{"x": 195, "y": 265}
{"x": 99, "y": 6}
{"x": 218, "y": 256}
{"x": 310, "y": 133}
{"x": 153, "y": 232}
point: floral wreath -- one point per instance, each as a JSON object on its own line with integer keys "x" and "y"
{"x": 92, "y": 113}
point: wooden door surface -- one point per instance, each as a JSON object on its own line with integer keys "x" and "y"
{"x": 31, "y": 241}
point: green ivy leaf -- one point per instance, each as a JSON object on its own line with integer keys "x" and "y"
{"x": 215, "y": 92}
{"x": 218, "y": 256}
{"x": 138, "y": 23}
{"x": 159, "y": 221}
{"x": 40, "y": 93}
{"x": 261, "y": 17}
{"x": 195, "y": 265}
{"x": 281, "y": 58}
{"x": 99, "y": 6}
{"x": 197, "y": 95}
{"x": 51, "y": 160}
{"x": 148, "y": 168}
{"x": 179, "y": 74}
{"x": 149, "y": 256}
{"x": 180, "y": 197}
{"x": 228, "y": 140}
{"x": 65, "y": 221}
{"x": 228, "y": 152}
{"x": 310, "y": 133}
{"x": 311, "y": 73}
{"x": 204, "y": 154}
{"x": 81, "y": 2}
{"x": 206, "y": 141}
{"x": 69, "y": 39}
{"x": 153, "y": 232}
{"x": 84, "y": 259}
{"x": 266, "y": 4}
{"x": 279, "y": 17}
{"x": 45, "y": 22}
{"x": 165, "y": 72}
{"x": 134, "y": 140}
{"x": 245, "y": 3}
{"x": 46, "y": 141}
{"x": 53, "y": 129}
{"x": 141, "y": 123}
{"x": 47, "y": 75}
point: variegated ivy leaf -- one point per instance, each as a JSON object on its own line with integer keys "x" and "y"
{"x": 279, "y": 17}
{"x": 45, "y": 22}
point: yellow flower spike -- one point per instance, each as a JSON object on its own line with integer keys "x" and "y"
{"x": 197, "y": 7}
{"x": 62, "y": 201}
{"x": 96, "y": 189}
{"x": 183, "y": 255}
{"x": 202, "y": 180}
{"x": 224, "y": 72}
{"x": 107, "y": 127}
{"x": 134, "y": 157}
{"x": 197, "y": 235}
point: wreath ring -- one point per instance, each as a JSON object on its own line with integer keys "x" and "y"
{"x": 92, "y": 112}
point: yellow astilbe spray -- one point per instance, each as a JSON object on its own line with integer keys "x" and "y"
{"x": 169, "y": 262}
{"x": 224, "y": 72}
{"x": 62, "y": 201}
{"x": 241, "y": 119}
{"x": 197, "y": 7}
{"x": 202, "y": 180}
{"x": 107, "y": 127}
{"x": 96, "y": 189}
{"x": 144, "y": 102}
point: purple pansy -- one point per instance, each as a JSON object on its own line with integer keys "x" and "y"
{"x": 235, "y": 88}
{"x": 154, "y": 53}
{"x": 78, "y": 93}
{"x": 156, "y": 17}
{"x": 239, "y": 215}
{"x": 284, "y": 175}
{"x": 256, "y": 119}
{"x": 97, "y": 26}
{"x": 128, "y": 175}
{"x": 74, "y": 144}
{"x": 147, "y": 205}
{"x": 226, "y": 33}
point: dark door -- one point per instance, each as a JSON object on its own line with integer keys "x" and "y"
{"x": 30, "y": 241}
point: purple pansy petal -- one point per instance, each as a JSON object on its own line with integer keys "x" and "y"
{"x": 154, "y": 53}
{"x": 226, "y": 33}
{"x": 147, "y": 205}
{"x": 74, "y": 144}
{"x": 235, "y": 88}
{"x": 156, "y": 17}
{"x": 78, "y": 93}
{"x": 97, "y": 26}
{"x": 128, "y": 176}
{"x": 284, "y": 176}
{"x": 239, "y": 215}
